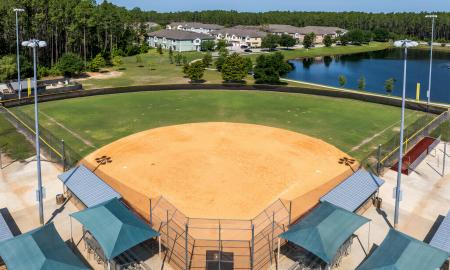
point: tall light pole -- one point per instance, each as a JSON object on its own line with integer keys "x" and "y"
{"x": 34, "y": 43}
{"x": 401, "y": 44}
{"x": 433, "y": 17}
{"x": 19, "y": 82}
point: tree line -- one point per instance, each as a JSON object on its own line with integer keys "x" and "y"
{"x": 86, "y": 28}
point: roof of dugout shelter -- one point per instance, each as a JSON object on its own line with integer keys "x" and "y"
{"x": 5, "y": 232}
{"x": 87, "y": 187}
{"x": 324, "y": 230}
{"x": 115, "y": 227}
{"x": 41, "y": 249}
{"x": 441, "y": 238}
{"x": 354, "y": 191}
{"x": 399, "y": 251}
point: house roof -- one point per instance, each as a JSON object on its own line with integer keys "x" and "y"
{"x": 354, "y": 191}
{"x": 441, "y": 238}
{"x": 88, "y": 187}
{"x": 399, "y": 251}
{"x": 282, "y": 28}
{"x": 179, "y": 35}
{"x": 115, "y": 228}
{"x": 40, "y": 249}
{"x": 197, "y": 25}
{"x": 320, "y": 30}
{"x": 241, "y": 32}
{"x": 324, "y": 230}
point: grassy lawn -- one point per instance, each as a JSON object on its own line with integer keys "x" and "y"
{"x": 157, "y": 69}
{"x": 337, "y": 50}
{"x": 101, "y": 120}
{"x": 435, "y": 48}
{"x": 13, "y": 143}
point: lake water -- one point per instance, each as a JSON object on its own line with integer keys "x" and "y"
{"x": 377, "y": 67}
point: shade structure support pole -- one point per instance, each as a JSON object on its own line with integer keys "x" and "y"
{"x": 368, "y": 238}
{"x": 278, "y": 253}
{"x": 159, "y": 246}
{"x": 71, "y": 235}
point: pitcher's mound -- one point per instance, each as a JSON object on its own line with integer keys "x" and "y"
{"x": 221, "y": 170}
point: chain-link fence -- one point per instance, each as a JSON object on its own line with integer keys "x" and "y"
{"x": 386, "y": 155}
{"x": 200, "y": 243}
{"x": 54, "y": 148}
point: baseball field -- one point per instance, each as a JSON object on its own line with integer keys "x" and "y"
{"x": 87, "y": 124}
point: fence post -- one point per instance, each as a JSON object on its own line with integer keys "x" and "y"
{"x": 186, "y": 241}
{"x": 220, "y": 244}
{"x": 252, "y": 247}
{"x": 443, "y": 161}
{"x": 151, "y": 214}
{"x": 63, "y": 154}
{"x": 290, "y": 212}
{"x": 273, "y": 233}
{"x": 167, "y": 229}
{"x": 379, "y": 160}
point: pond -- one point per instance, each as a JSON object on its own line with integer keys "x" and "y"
{"x": 376, "y": 68}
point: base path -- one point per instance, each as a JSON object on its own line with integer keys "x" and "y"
{"x": 221, "y": 170}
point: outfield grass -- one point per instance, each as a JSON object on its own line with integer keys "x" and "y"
{"x": 101, "y": 120}
{"x": 13, "y": 143}
{"x": 157, "y": 69}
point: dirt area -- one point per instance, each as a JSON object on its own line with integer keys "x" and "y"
{"x": 100, "y": 75}
{"x": 220, "y": 170}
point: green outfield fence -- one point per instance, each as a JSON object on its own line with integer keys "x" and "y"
{"x": 54, "y": 149}
{"x": 386, "y": 155}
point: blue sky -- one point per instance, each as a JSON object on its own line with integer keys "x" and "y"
{"x": 293, "y": 5}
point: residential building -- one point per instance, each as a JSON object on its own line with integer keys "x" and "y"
{"x": 203, "y": 28}
{"x": 177, "y": 40}
{"x": 321, "y": 32}
{"x": 280, "y": 29}
{"x": 238, "y": 37}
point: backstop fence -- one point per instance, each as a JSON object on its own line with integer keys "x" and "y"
{"x": 54, "y": 148}
{"x": 198, "y": 243}
{"x": 386, "y": 155}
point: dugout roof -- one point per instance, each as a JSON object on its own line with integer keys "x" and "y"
{"x": 5, "y": 232}
{"x": 354, "y": 191}
{"x": 324, "y": 230}
{"x": 399, "y": 251}
{"x": 40, "y": 249}
{"x": 441, "y": 238}
{"x": 115, "y": 227}
{"x": 87, "y": 187}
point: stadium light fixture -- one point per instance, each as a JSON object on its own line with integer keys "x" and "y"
{"x": 405, "y": 44}
{"x": 34, "y": 43}
{"x": 17, "y": 11}
{"x": 433, "y": 18}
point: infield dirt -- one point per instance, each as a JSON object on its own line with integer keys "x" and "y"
{"x": 221, "y": 170}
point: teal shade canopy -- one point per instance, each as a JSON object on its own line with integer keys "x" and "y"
{"x": 115, "y": 227}
{"x": 40, "y": 249}
{"x": 399, "y": 251}
{"x": 324, "y": 230}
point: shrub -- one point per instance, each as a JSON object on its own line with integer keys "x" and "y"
{"x": 117, "y": 60}
{"x": 97, "y": 63}
{"x": 207, "y": 59}
{"x": 195, "y": 71}
{"x": 235, "y": 68}
{"x": 70, "y": 64}
{"x": 269, "y": 68}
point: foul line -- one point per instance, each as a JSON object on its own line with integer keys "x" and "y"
{"x": 73, "y": 133}
{"x": 32, "y": 131}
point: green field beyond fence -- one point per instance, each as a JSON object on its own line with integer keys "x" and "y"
{"x": 88, "y": 123}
